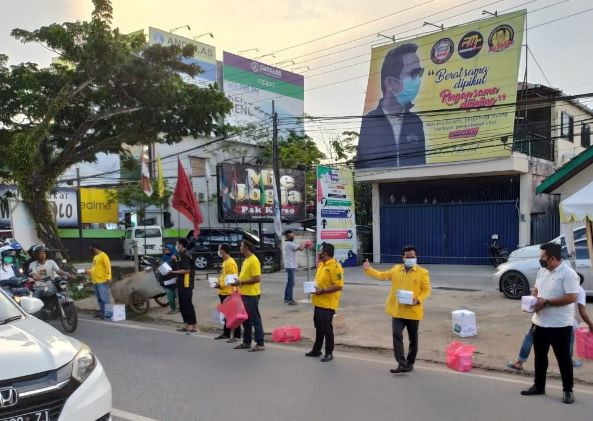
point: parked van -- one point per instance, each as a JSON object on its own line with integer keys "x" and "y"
{"x": 149, "y": 240}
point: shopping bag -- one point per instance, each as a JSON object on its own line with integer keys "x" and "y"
{"x": 584, "y": 343}
{"x": 286, "y": 334}
{"x": 460, "y": 356}
{"x": 234, "y": 310}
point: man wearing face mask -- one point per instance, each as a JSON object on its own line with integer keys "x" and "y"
{"x": 409, "y": 277}
{"x": 392, "y": 135}
{"x": 556, "y": 289}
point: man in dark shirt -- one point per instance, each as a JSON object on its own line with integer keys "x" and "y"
{"x": 185, "y": 271}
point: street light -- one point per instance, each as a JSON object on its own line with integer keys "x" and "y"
{"x": 203, "y": 35}
{"x": 179, "y": 27}
{"x": 256, "y": 50}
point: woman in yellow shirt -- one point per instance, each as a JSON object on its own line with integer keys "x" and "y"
{"x": 229, "y": 267}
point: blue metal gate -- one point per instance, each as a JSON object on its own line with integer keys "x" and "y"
{"x": 448, "y": 233}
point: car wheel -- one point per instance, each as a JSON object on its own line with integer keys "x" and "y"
{"x": 514, "y": 285}
{"x": 269, "y": 260}
{"x": 202, "y": 262}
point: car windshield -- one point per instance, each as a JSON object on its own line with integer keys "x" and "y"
{"x": 148, "y": 233}
{"x": 251, "y": 237}
{"x": 8, "y": 308}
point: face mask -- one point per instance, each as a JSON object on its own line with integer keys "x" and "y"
{"x": 410, "y": 263}
{"x": 411, "y": 86}
{"x": 8, "y": 260}
{"x": 178, "y": 248}
{"x": 543, "y": 263}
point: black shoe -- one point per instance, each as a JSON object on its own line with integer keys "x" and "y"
{"x": 409, "y": 368}
{"x": 326, "y": 358}
{"x": 532, "y": 391}
{"x": 568, "y": 397}
{"x": 313, "y": 354}
{"x": 292, "y": 303}
{"x": 98, "y": 316}
{"x": 399, "y": 369}
{"x": 219, "y": 337}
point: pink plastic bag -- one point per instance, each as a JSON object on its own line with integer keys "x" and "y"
{"x": 286, "y": 334}
{"x": 233, "y": 310}
{"x": 584, "y": 343}
{"x": 460, "y": 356}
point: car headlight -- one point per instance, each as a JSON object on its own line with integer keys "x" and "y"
{"x": 83, "y": 364}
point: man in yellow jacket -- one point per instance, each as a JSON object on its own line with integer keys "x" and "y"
{"x": 100, "y": 274}
{"x": 229, "y": 267}
{"x": 406, "y": 277}
{"x": 329, "y": 282}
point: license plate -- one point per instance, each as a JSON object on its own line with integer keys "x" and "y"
{"x": 31, "y": 416}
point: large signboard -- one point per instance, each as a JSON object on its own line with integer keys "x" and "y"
{"x": 62, "y": 200}
{"x": 205, "y": 55}
{"x": 252, "y": 86}
{"x": 245, "y": 194}
{"x": 336, "y": 220}
{"x": 97, "y": 206}
{"x": 444, "y": 97}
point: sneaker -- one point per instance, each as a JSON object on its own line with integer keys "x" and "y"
{"x": 192, "y": 332}
{"x": 219, "y": 337}
{"x": 183, "y": 330}
{"x": 577, "y": 363}
{"x": 292, "y": 303}
{"x": 232, "y": 340}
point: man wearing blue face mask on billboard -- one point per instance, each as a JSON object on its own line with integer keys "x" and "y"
{"x": 391, "y": 135}
{"x": 410, "y": 287}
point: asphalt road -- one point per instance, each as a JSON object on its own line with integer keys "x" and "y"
{"x": 158, "y": 374}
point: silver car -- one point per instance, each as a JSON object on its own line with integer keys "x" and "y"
{"x": 532, "y": 252}
{"x": 515, "y": 278}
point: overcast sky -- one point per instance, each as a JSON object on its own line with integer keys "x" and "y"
{"x": 562, "y": 48}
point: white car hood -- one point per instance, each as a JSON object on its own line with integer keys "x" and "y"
{"x": 30, "y": 346}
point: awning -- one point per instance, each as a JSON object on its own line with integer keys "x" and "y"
{"x": 578, "y": 208}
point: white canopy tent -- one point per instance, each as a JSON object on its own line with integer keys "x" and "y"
{"x": 578, "y": 209}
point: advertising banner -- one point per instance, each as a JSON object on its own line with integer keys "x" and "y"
{"x": 444, "y": 97}
{"x": 205, "y": 55}
{"x": 251, "y": 86}
{"x": 62, "y": 200}
{"x": 246, "y": 194}
{"x": 98, "y": 207}
{"x": 336, "y": 220}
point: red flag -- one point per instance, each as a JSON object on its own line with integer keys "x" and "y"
{"x": 185, "y": 201}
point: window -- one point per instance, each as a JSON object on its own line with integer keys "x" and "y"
{"x": 582, "y": 251}
{"x": 567, "y": 126}
{"x": 198, "y": 166}
{"x": 148, "y": 233}
{"x": 129, "y": 234}
{"x": 201, "y": 197}
{"x": 586, "y": 135}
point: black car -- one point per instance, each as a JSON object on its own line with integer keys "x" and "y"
{"x": 205, "y": 247}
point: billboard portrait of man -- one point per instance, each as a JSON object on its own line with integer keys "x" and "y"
{"x": 392, "y": 135}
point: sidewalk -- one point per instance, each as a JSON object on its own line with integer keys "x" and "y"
{"x": 501, "y": 323}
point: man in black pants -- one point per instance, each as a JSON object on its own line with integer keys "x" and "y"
{"x": 556, "y": 289}
{"x": 329, "y": 282}
{"x": 185, "y": 271}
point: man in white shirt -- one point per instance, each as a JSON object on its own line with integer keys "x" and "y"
{"x": 290, "y": 264}
{"x": 556, "y": 289}
{"x": 45, "y": 268}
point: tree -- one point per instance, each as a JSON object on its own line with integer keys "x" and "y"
{"x": 111, "y": 90}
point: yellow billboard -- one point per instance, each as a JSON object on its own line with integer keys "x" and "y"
{"x": 443, "y": 97}
{"x": 98, "y": 207}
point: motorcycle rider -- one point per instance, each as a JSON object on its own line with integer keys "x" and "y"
{"x": 44, "y": 271}
{"x": 6, "y": 267}
{"x": 19, "y": 258}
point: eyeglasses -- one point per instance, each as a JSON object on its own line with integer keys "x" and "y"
{"x": 418, "y": 72}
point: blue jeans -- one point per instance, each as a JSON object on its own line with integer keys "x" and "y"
{"x": 528, "y": 344}
{"x": 103, "y": 298}
{"x": 289, "y": 285}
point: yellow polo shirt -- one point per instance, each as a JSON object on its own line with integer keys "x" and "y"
{"x": 328, "y": 274}
{"x": 416, "y": 280}
{"x": 229, "y": 267}
{"x": 101, "y": 269}
{"x": 250, "y": 268}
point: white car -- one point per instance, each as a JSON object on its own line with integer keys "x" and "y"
{"x": 532, "y": 252}
{"x": 516, "y": 278}
{"x": 45, "y": 375}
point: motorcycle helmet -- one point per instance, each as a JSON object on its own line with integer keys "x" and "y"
{"x": 7, "y": 252}
{"x": 16, "y": 246}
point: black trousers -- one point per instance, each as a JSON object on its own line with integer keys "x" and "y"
{"x": 188, "y": 312}
{"x": 251, "y": 303}
{"x": 324, "y": 329}
{"x": 397, "y": 329}
{"x": 226, "y": 331}
{"x": 559, "y": 339}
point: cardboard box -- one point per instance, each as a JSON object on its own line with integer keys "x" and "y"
{"x": 212, "y": 282}
{"x": 231, "y": 280}
{"x": 527, "y": 303}
{"x": 464, "y": 323}
{"x": 309, "y": 287}
{"x": 405, "y": 297}
{"x": 164, "y": 269}
{"x": 118, "y": 311}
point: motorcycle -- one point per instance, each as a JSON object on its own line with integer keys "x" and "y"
{"x": 16, "y": 287}
{"x": 498, "y": 254}
{"x": 57, "y": 303}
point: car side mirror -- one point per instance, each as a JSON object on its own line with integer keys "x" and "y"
{"x": 31, "y": 305}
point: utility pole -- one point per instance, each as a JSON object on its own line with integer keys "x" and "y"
{"x": 276, "y": 167}
{"x": 78, "y": 205}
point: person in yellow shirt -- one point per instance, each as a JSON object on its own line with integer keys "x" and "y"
{"x": 250, "y": 288}
{"x": 408, "y": 277}
{"x": 100, "y": 273}
{"x": 229, "y": 267}
{"x": 329, "y": 281}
